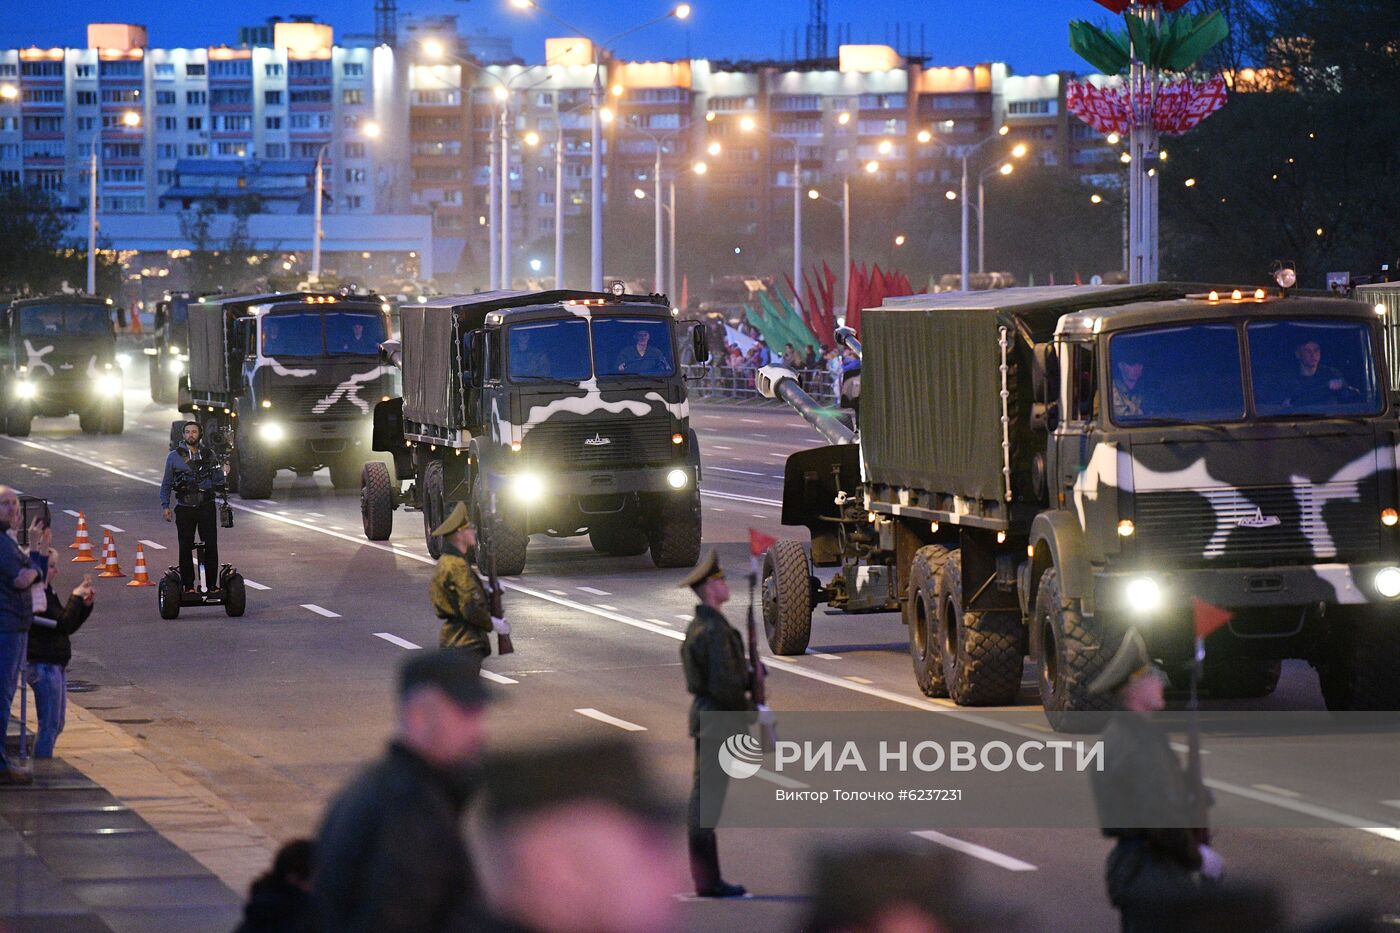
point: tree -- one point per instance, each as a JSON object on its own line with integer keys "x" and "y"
{"x": 35, "y": 255}
{"x": 221, "y": 262}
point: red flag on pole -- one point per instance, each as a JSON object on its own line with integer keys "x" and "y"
{"x": 1208, "y": 617}
{"x": 759, "y": 542}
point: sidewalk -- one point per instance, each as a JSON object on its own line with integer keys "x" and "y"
{"x": 111, "y": 836}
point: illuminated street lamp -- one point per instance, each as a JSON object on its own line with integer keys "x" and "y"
{"x": 130, "y": 120}
{"x": 1019, "y": 151}
{"x": 1005, "y": 168}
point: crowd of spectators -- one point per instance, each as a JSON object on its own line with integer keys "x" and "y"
{"x": 820, "y": 369}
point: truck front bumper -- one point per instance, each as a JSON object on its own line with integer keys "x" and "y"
{"x": 1246, "y": 587}
{"x": 534, "y": 487}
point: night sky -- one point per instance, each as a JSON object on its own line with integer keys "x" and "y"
{"x": 1030, "y": 35}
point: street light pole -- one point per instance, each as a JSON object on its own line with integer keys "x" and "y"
{"x": 964, "y": 284}
{"x": 595, "y": 189}
{"x": 796, "y": 221}
{"x": 559, "y": 206}
{"x": 981, "y": 223}
{"x": 845, "y": 244}
{"x": 657, "y": 233}
{"x": 671, "y": 266}
{"x": 92, "y": 216}
{"x": 493, "y": 209}
{"x": 505, "y": 195}
{"x": 317, "y": 231}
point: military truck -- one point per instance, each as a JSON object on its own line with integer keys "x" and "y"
{"x": 558, "y": 412}
{"x": 1040, "y": 468}
{"x": 292, "y": 377}
{"x": 59, "y": 356}
{"x": 169, "y": 353}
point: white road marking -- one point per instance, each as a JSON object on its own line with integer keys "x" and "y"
{"x": 606, "y": 606}
{"x": 254, "y": 585}
{"x": 319, "y": 610}
{"x": 594, "y": 591}
{"x": 71, "y": 512}
{"x": 1392, "y": 803}
{"x": 685, "y": 618}
{"x": 610, "y": 720}
{"x": 715, "y": 508}
{"x": 1308, "y": 809}
{"x": 315, "y": 514}
{"x": 733, "y": 497}
{"x": 740, "y": 472}
{"x": 1281, "y": 791}
{"x": 823, "y": 655}
{"x": 750, "y": 421}
{"x": 158, "y": 547}
{"x": 756, "y": 515}
{"x": 113, "y": 529}
{"x": 991, "y": 856}
{"x": 497, "y": 678}
{"x": 559, "y": 593}
{"x": 859, "y": 680}
{"x": 396, "y": 640}
{"x": 720, "y": 447}
{"x": 772, "y": 453}
{"x": 658, "y": 621}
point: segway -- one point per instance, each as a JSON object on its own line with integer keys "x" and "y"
{"x": 232, "y": 594}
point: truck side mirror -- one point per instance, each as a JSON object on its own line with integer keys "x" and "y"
{"x": 700, "y": 342}
{"x": 1045, "y": 373}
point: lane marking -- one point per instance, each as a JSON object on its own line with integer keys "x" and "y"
{"x": 1308, "y": 809}
{"x": 734, "y": 497}
{"x": 594, "y": 591}
{"x": 823, "y": 655}
{"x": 497, "y": 678}
{"x": 156, "y": 546}
{"x": 750, "y": 421}
{"x": 685, "y": 618}
{"x": 991, "y": 856}
{"x": 113, "y": 529}
{"x": 740, "y": 472}
{"x": 559, "y": 593}
{"x": 658, "y": 621}
{"x": 1281, "y": 791}
{"x": 610, "y": 720}
{"x": 319, "y": 610}
{"x": 1392, "y": 803}
{"x": 315, "y": 514}
{"x": 254, "y": 585}
{"x": 859, "y": 680}
{"x": 71, "y": 512}
{"x": 720, "y": 447}
{"x": 606, "y": 606}
{"x": 396, "y": 640}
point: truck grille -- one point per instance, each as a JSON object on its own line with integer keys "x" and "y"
{"x": 623, "y": 442}
{"x": 317, "y": 401}
{"x": 1261, "y": 525}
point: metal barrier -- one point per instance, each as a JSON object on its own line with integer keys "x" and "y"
{"x": 721, "y": 382}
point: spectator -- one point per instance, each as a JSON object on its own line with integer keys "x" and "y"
{"x": 391, "y": 856}
{"x": 280, "y": 900}
{"x": 50, "y": 650}
{"x": 791, "y": 359}
{"x": 812, "y": 360}
{"x": 17, "y": 575}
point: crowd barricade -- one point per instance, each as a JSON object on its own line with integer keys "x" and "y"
{"x": 719, "y": 382}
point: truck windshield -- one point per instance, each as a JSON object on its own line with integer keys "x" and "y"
{"x": 314, "y": 333}
{"x": 549, "y": 350}
{"x": 350, "y": 333}
{"x": 560, "y": 350}
{"x": 1313, "y": 368}
{"x": 65, "y": 320}
{"x": 632, "y": 347}
{"x": 1170, "y": 374}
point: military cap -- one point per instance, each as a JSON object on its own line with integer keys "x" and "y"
{"x": 523, "y": 783}
{"x": 458, "y": 519}
{"x": 1128, "y": 662}
{"x": 707, "y": 569}
{"x": 454, "y": 671}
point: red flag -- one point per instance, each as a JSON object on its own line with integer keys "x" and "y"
{"x": 685, "y": 294}
{"x": 1208, "y": 617}
{"x": 759, "y": 542}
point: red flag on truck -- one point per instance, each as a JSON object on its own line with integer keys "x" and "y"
{"x": 1208, "y": 617}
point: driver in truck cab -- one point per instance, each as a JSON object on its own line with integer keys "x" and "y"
{"x": 190, "y": 476}
{"x": 1314, "y": 384}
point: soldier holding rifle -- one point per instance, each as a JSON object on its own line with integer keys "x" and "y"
{"x": 468, "y": 612}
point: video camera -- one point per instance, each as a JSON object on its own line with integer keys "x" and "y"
{"x": 209, "y": 464}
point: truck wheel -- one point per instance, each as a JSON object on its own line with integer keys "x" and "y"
{"x": 376, "y": 501}
{"x": 787, "y": 598}
{"x": 430, "y": 501}
{"x": 1068, "y": 656}
{"x": 1235, "y": 678}
{"x": 1358, "y": 670}
{"x": 501, "y": 535}
{"x": 114, "y": 419}
{"x": 90, "y": 420}
{"x": 674, "y": 535}
{"x": 235, "y": 595}
{"x": 981, "y": 651}
{"x": 345, "y": 472}
{"x": 168, "y": 596}
{"x": 615, "y": 541}
{"x": 254, "y": 475}
{"x": 920, "y": 610}
{"x": 19, "y": 422}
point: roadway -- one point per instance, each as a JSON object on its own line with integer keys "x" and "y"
{"x": 276, "y": 709}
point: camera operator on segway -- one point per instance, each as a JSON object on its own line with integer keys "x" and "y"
{"x": 194, "y": 476}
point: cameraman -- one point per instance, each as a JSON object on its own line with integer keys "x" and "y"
{"x": 193, "y": 475}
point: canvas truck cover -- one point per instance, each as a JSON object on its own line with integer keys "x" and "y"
{"x": 930, "y": 408}
{"x": 430, "y": 382}
{"x": 208, "y": 369}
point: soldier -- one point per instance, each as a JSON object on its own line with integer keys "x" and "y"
{"x": 1144, "y": 797}
{"x": 1128, "y": 365}
{"x": 642, "y": 357}
{"x": 459, "y": 598}
{"x": 716, "y": 673}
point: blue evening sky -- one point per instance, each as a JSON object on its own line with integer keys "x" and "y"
{"x": 1031, "y": 35}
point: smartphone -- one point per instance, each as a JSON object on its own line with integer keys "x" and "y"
{"x": 32, "y": 508}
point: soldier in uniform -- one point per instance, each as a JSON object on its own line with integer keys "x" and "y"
{"x": 718, "y": 677}
{"x": 459, "y": 597}
{"x": 1144, "y": 798}
{"x": 1128, "y": 365}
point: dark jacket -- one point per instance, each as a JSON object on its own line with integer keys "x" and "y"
{"x": 16, "y": 610}
{"x": 460, "y": 601}
{"x": 176, "y": 463}
{"x": 715, "y": 670}
{"x": 1142, "y": 794}
{"x": 391, "y": 855}
{"x": 276, "y": 906}
{"x": 49, "y": 644}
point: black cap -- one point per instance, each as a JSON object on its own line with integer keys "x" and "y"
{"x": 454, "y": 671}
{"x": 523, "y": 783}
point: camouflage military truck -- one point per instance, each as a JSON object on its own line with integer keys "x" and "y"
{"x": 1040, "y": 468}
{"x": 169, "y": 352}
{"x": 558, "y": 413}
{"x": 58, "y": 356}
{"x": 291, "y": 378}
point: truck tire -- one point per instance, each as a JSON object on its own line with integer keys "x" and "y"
{"x": 90, "y": 420}
{"x": 431, "y": 502}
{"x": 114, "y": 419}
{"x": 1358, "y": 670}
{"x": 500, "y": 535}
{"x": 1234, "y": 678}
{"x": 254, "y": 475}
{"x": 674, "y": 534}
{"x": 345, "y": 472}
{"x": 1068, "y": 656}
{"x": 618, "y": 541}
{"x": 920, "y": 610}
{"x": 787, "y": 598}
{"x": 981, "y": 651}
{"x": 19, "y": 422}
{"x": 376, "y": 501}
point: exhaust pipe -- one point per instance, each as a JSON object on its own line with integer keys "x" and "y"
{"x": 780, "y": 382}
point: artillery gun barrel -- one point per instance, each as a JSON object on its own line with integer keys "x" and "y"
{"x": 391, "y": 351}
{"x": 779, "y": 382}
{"x": 846, "y": 337}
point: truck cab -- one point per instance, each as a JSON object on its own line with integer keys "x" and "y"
{"x": 293, "y": 379}
{"x": 557, "y": 413}
{"x": 169, "y": 352}
{"x": 58, "y": 356}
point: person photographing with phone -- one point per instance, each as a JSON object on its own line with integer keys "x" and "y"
{"x": 192, "y": 477}
{"x": 50, "y": 649}
{"x": 17, "y": 576}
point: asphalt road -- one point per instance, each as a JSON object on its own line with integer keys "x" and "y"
{"x": 277, "y": 708}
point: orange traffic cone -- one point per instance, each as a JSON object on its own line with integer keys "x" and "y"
{"x": 110, "y": 567}
{"x": 141, "y": 578}
{"x": 82, "y": 535}
{"x": 84, "y": 544}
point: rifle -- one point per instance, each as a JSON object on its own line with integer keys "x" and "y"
{"x": 1200, "y": 795}
{"x": 503, "y": 643}
{"x": 757, "y": 674}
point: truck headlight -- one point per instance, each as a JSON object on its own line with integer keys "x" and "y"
{"x": 1143, "y": 595}
{"x": 123, "y": 360}
{"x": 176, "y": 365}
{"x": 109, "y": 384}
{"x": 677, "y": 479}
{"x": 1388, "y": 582}
{"x": 25, "y": 389}
{"x": 527, "y": 488}
{"x": 271, "y": 432}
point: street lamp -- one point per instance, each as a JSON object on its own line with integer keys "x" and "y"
{"x": 659, "y": 143}
{"x": 749, "y": 125}
{"x": 130, "y": 119}
{"x": 1005, "y": 168}
{"x": 680, "y": 12}
{"x": 1019, "y": 152}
